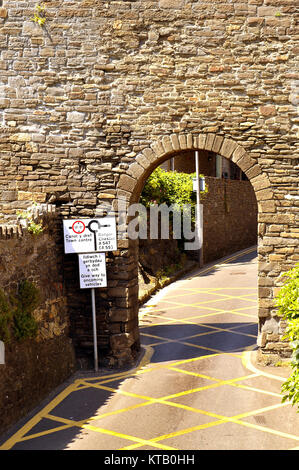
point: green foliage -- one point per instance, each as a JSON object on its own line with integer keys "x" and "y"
{"x": 26, "y": 301}
{"x": 39, "y": 14}
{"x": 33, "y": 227}
{"x": 5, "y": 318}
{"x": 16, "y": 312}
{"x": 170, "y": 187}
{"x": 288, "y": 296}
{"x": 287, "y": 301}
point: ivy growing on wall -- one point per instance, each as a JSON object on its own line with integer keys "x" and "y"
{"x": 16, "y": 312}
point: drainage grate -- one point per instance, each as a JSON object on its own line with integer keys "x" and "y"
{"x": 260, "y": 419}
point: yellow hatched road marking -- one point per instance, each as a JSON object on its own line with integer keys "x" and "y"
{"x": 59, "y": 398}
{"x": 214, "y": 329}
{"x": 192, "y": 292}
{"x": 35, "y": 420}
{"x": 206, "y": 387}
{"x": 179, "y": 433}
{"x": 224, "y": 419}
{"x": 215, "y": 311}
{"x": 204, "y": 302}
{"x": 224, "y": 297}
{"x": 139, "y": 442}
{"x": 83, "y": 425}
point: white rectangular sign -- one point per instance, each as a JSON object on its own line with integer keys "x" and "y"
{"x": 92, "y": 269}
{"x": 90, "y": 235}
{"x": 202, "y": 184}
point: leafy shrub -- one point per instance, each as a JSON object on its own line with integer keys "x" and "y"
{"x": 170, "y": 187}
{"x": 16, "y": 312}
{"x": 26, "y": 301}
{"x": 5, "y": 318}
{"x": 287, "y": 301}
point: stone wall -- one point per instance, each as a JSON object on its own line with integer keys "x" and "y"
{"x": 34, "y": 367}
{"x": 229, "y": 218}
{"x": 104, "y": 92}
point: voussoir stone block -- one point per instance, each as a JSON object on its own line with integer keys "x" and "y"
{"x": 135, "y": 170}
{"x": 201, "y": 141}
{"x": 150, "y": 155}
{"x": 143, "y": 161}
{"x": 238, "y": 153}
{"x": 158, "y": 149}
{"x": 228, "y": 147}
{"x": 216, "y": 146}
{"x": 209, "y": 141}
{"x": 253, "y": 171}
{"x": 183, "y": 141}
{"x": 245, "y": 162}
{"x": 260, "y": 182}
{"x": 127, "y": 183}
{"x": 175, "y": 142}
{"x": 189, "y": 141}
{"x": 167, "y": 144}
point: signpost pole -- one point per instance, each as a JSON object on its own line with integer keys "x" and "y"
{"x": 95, "y": 345}
{"x": 198, "y": 214}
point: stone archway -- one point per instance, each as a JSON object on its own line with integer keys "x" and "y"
{"x": 129, "y": 187}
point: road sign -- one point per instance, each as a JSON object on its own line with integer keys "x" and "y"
{"x": 90, "y": 235}
{"x": 92, "y": 269}
{"x": 202, "y": 184}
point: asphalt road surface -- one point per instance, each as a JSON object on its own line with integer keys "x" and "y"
{"x": 196, "y": 385}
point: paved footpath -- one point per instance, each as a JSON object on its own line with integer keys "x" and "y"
{"x": 196, "y": 387}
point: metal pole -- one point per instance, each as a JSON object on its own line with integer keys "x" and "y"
{"x": 198, "y": 212}
{"x": 94, "y": 323}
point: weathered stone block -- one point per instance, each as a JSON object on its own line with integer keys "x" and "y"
{"x": 127, "y": 183}
{"x": 8, "y": 195}
{"x": 175, "y": 141}
{"x": 135, "y": 170}
{"x": 167, "y": 144}
{"x": 209, "y": 142}
{"x": 121, "y": 341}
{"x": 3, "y": 13}
{"x": 267, "y": 111}
{"x": 75, "y": 117}
{"x": 171, "y": 3}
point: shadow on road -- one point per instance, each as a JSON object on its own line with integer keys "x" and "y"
{"x": 178, "y": 342}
